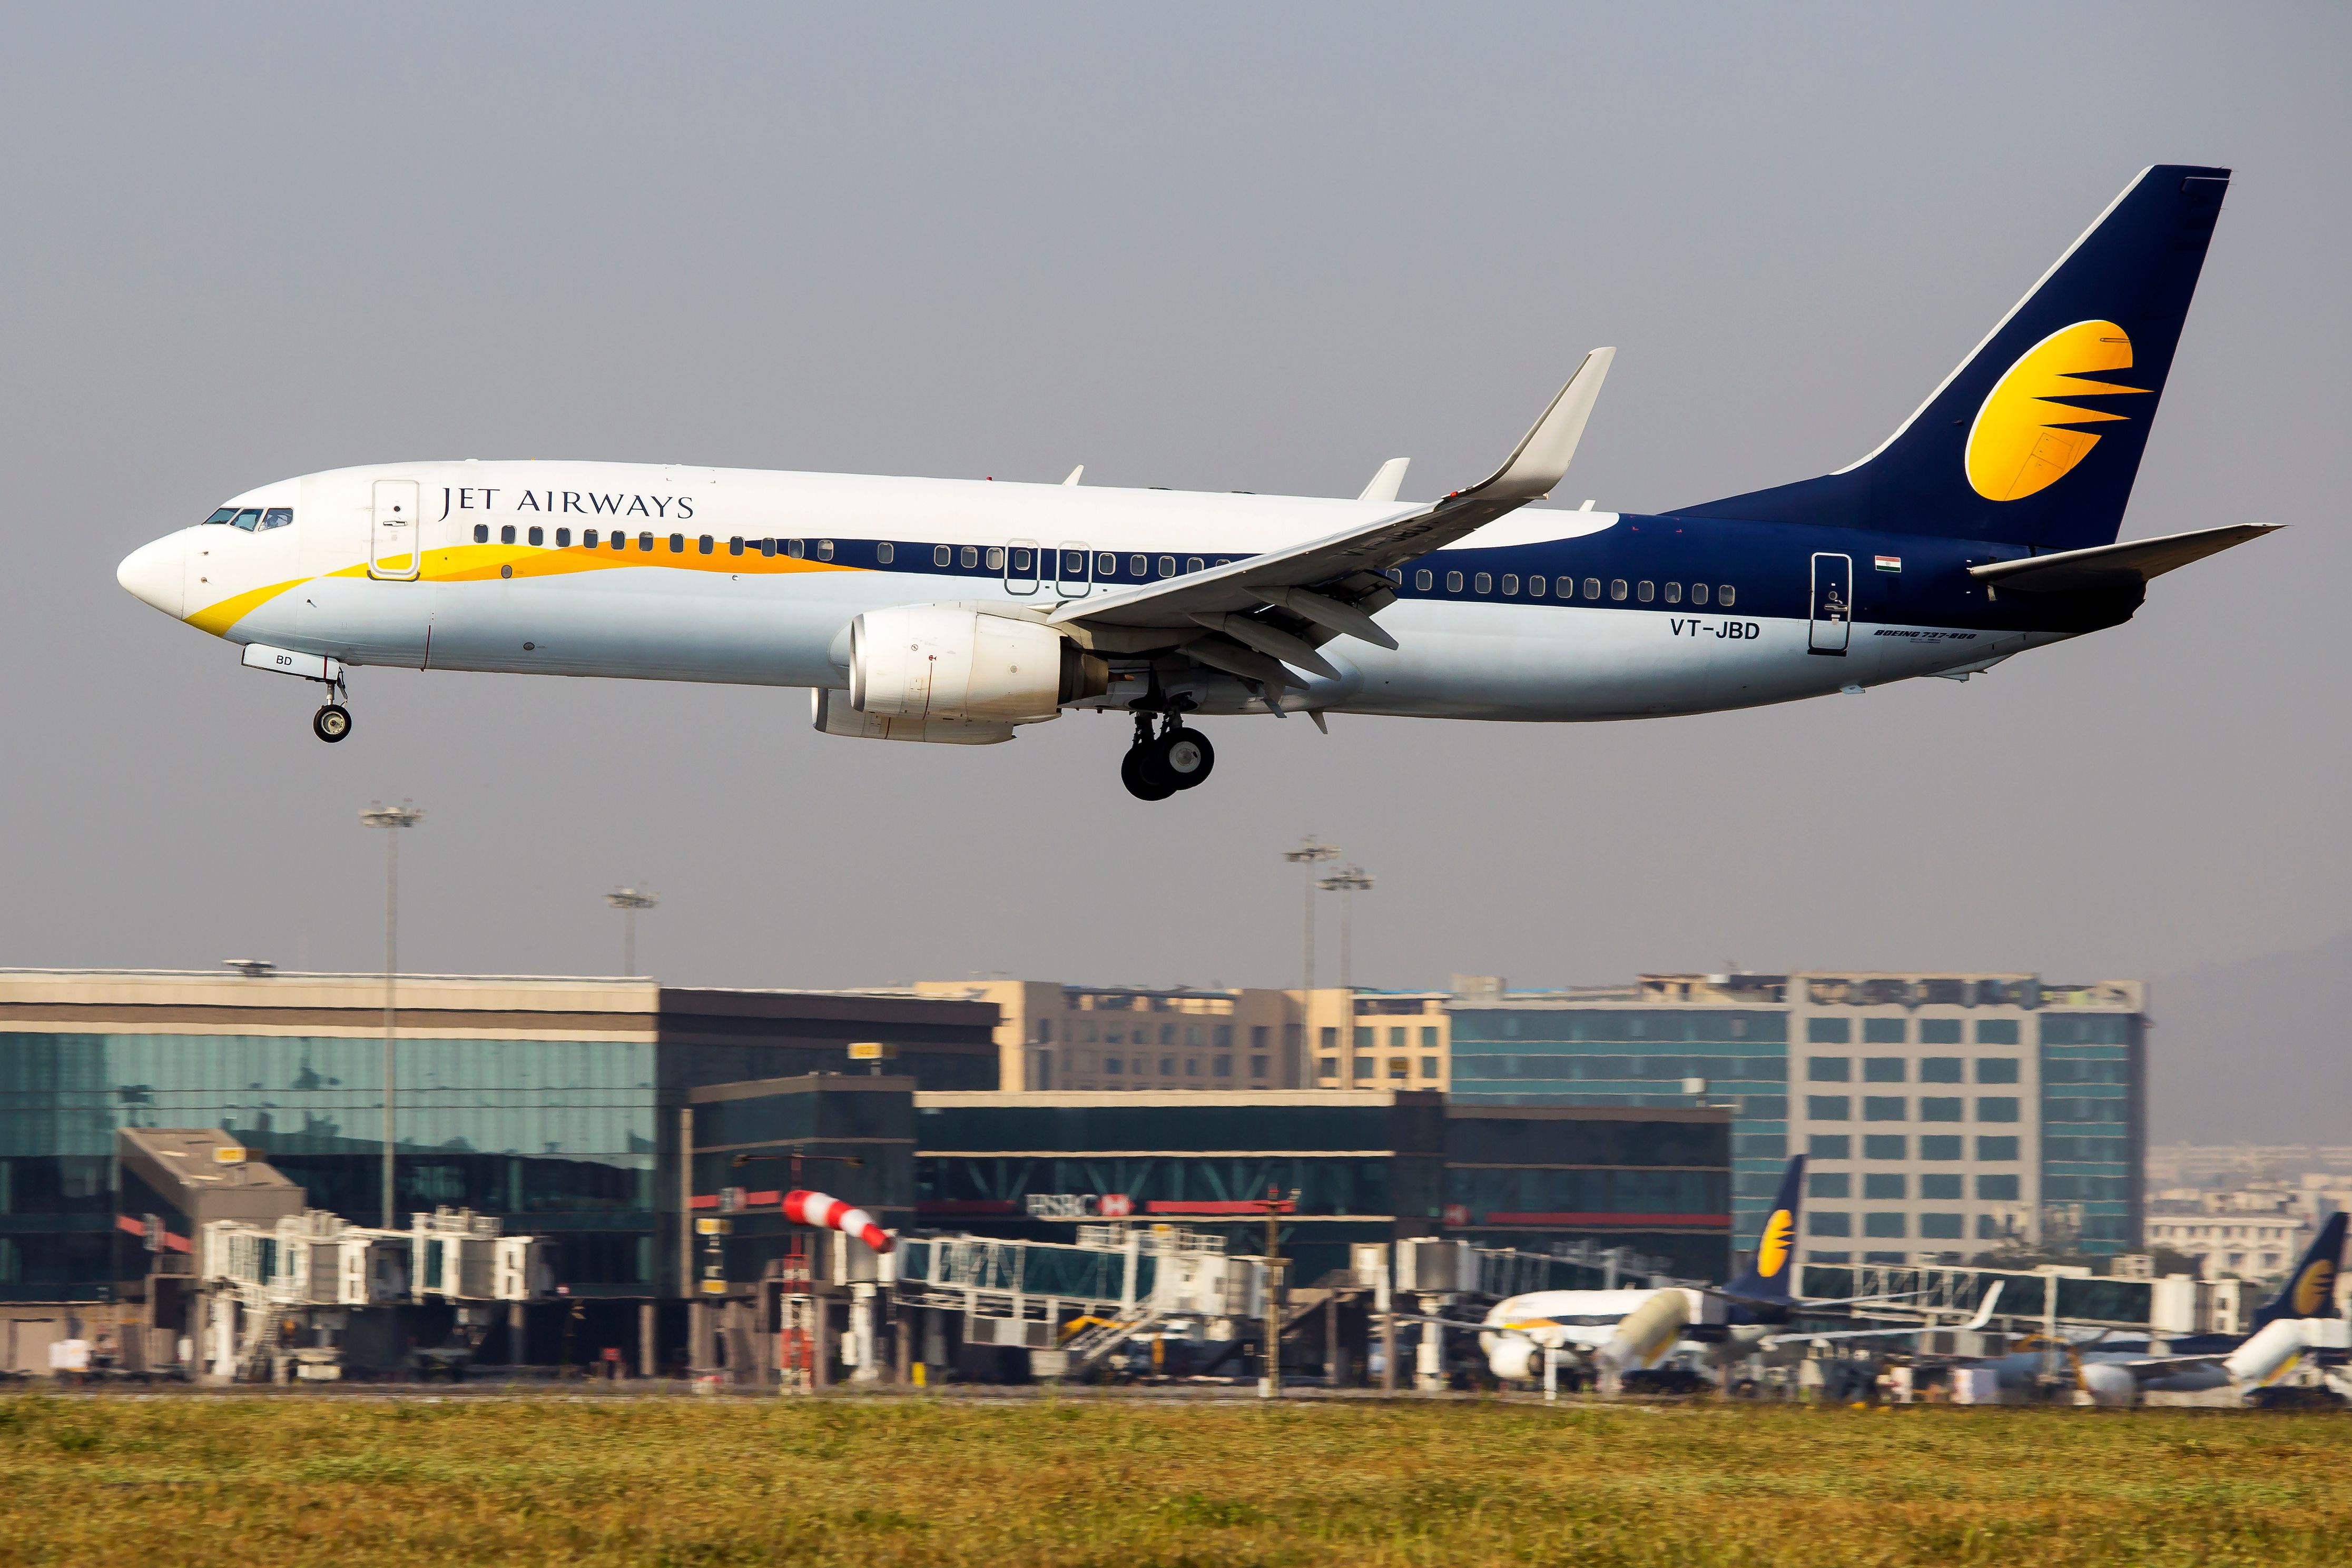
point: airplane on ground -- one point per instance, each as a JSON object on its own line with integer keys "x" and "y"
{"x": 1628, "y": 1331}
{"x": 956, "y": 612}
{"x": 2303, "y": 1317}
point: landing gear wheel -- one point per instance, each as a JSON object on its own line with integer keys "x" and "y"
{"x": 331, "y": 723}
{"x": 1141, "y": 783}
{"x": 1183, "y": 758}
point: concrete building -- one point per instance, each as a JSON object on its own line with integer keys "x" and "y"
{"x": 1945, "y": 1113}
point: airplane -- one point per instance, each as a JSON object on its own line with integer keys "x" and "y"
{"x": 956, "y": 612}
{"x": 2303, "y": 1317}
{"x": 1627, "y": 1331}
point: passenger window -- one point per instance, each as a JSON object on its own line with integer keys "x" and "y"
{"x": 1510, "y": 585}
{"x": 703, "y": 544}
{"x": 645, "y": 541}
{"x": 1485, "y": 582}
{"x": 1167, "y": 566}
{"x": 1021, "y": 560}
{"x": 971, "y": 555}
{"x": 1425, "y": 580}
{"x": 538, "y": 535}
{"x": 1535, "y": 587}
{"x": 735, "y": 545}
{"x": 678, "y": 544}
{"x": 885, "y": 552}
{"x": 563, "y": 538}
{"x": 1617, "y": 589}
{"x": 825, "y": 549}
{"x": 943, "y": 555}
{"x": 621, "y": 540}
{"x": 995, "y": 558}
{"x": 768, "y": 547}
{"x": 247, "y": 519}
{"x": 796, "y": 548}
{"x": 277, "y": 518}
{"x": 1725, "y": 597}
{"x": 481, "y": 533}
{"x": 506, "y": 534}
{"x": 1647, "y": 591}
{"x": 223, "y": 515}
{"x": 1592, "y": 588}
{"x": 1673, "y": 593}
{"x": 1699, "y": 593}
{"x": 1106, "y": 566}
{"x": 1138, "y": 567}
{"x": 1193, "y": 563}
{"x": 1453, "y": 582}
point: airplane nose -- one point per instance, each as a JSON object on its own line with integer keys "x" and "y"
{"x": 156, "y": 574}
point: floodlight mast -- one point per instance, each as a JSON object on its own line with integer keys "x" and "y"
{"x": 1306, "y": 857}
{"x": 379, "y": 815}
{"x": 1347, "y": 884}
{"x": 628, "y": 901}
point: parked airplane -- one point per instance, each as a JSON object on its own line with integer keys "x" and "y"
{"x": 1628, "y": 1331}
{"x": 953, "y": 611}
{"x": 2303, "y": 1317}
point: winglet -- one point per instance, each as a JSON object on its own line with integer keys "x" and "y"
{"x": 1073, "y": 474}
{"x": 1387, "y": 481}
{"x": 1541, "y": 460}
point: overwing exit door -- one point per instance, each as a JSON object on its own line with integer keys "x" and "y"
{"x": 1832, "y": 604}
{"x": 395, "y": 542}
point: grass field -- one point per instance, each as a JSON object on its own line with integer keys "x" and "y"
{"x": 167, "y": 1482}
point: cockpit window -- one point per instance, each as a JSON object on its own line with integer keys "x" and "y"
{"x": 223, "y": 515}
{"x": 277, "y": 518}
{"x": 247, "y": 519}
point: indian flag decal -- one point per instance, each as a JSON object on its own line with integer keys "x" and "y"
{"x": 1890, "y": 563}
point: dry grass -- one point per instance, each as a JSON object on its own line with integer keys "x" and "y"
{"x": 1080, "y": 1480}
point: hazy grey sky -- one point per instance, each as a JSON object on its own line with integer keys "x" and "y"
{"x": 1247, "y": 248}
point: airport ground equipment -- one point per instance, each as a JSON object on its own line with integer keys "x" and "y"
{"x": 312, "y": 1296}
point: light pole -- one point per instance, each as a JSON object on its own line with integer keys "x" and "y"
{"x": 379, "y": 815}
{"x": 628, "y": 901}
{"x": 1347, "y": 884}
{"x": 1306, "y": 857}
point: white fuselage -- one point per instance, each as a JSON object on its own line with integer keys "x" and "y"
{"x": 690, "y": 595}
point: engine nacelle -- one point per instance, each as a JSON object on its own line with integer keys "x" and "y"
{"x": 939, "y": 665}
{"x": 834, "y": 716}
{"x": 1516, "y": 1360}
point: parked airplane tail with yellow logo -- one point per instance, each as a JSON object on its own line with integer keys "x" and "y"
{"x": 1772, "y": 1276}
{"x": 2310, "y": 1291}
{"x": 2036, "y": 437}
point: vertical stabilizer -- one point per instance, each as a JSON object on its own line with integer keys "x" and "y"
{"x": 1774, "y": 1269}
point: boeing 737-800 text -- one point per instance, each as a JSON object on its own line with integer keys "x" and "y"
{"x": 954, "y": 611}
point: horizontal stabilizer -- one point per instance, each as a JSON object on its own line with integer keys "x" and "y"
{"x": 2109, "y": 566}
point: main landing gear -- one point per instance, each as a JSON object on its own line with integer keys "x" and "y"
{"x": 1161, "y": 762}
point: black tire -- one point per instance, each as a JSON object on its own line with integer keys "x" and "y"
{"x": 1142, "y": 782}
{"x": 1183, "y": 758}
{"x": 331, "y": 723}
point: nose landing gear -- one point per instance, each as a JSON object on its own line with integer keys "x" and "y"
{"x": 331, "y": 723}
{"x": 1162, "y": 762}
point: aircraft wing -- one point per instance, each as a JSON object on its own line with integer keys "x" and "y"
{"x": 1984, "y": 1316}
{"x": 2107, "y": 566}
{"x": 1253, "y": 617}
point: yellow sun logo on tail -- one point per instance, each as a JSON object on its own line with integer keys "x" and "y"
{"x": 2312, "y": 1291}
{"x": 1773, "y": 1250}
{"x": 2021, "y": 442}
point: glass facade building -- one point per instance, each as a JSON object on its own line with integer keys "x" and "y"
{"x": 1944, "y": 1114}
{"x": 553, "y": 1104}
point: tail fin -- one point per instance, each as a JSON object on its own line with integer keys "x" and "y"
{"x": 2035, "y": 439}
{"x": 1767, "y": 1277}
{"x": 2310, "y": 1291}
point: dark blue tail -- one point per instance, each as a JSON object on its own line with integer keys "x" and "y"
{"x": 1774, "y": 1269}
{"x": 2034, "y": 439}
{"x": 2310, "y": 1291}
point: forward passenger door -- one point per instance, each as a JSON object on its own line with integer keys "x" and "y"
{"x": 395, "y": 534}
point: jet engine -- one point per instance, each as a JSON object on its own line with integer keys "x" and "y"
{"x": 938, "y": 667}
{"x": 1516, "y": 1360}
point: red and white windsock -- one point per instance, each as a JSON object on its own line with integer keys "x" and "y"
{"x": 828, "y": 1213}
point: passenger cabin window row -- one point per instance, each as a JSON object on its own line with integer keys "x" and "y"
{"x": 252, "y": 519}
{"x": 1483, "y": 584}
